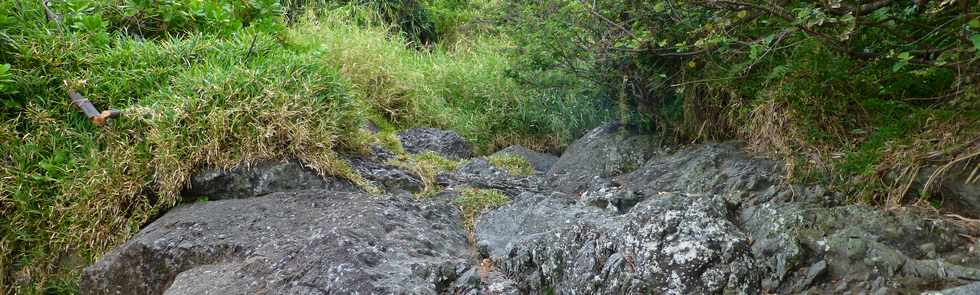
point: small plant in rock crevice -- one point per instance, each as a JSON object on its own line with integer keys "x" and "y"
{"x": 427, "y": 166}
{"x": 473, "y": 202}
{"x": 513, "y": 164}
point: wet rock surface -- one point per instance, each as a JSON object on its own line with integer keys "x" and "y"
{"x": 618, "y": 213}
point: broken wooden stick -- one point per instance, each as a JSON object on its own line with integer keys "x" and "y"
{"x": 93, "y": 114}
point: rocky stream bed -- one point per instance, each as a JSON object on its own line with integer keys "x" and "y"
{"x": 617, "y": 213}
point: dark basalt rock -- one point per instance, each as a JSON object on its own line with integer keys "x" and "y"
{"x": 478, "y": 173}
{"x": 607, "y": 151}
{"x": 719, "y": 168}
{"x": 310, "y": 242}
{"x": 446, "y": 143}
{"x": 374, "y": 168}
{"x": 671, "y": 244}
{"x": 258, "y": 179}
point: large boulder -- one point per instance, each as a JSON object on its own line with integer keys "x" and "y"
{"x": 607, "y": 151}
{"x": 443, "y": 142}
{"x": 308, "y": 242}
{"x": 671, "y": 244}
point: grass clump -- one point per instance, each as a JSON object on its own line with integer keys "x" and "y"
{"x": 473, "y": 202}
{"x": 513, "y": 164}
{"x": 427, "y": 166}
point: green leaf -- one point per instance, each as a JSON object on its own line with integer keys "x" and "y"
{"x": 976, "y": 41}
{"x": 974, "y": 23}
{"x": 659, "y": 7}
{"x": 899, "y": 65}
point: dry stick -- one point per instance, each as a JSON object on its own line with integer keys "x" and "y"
{"x": 93, "y": 114}
{"x": 50, "y": 15}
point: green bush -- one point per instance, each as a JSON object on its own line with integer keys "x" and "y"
{"x": 860, "y": 81}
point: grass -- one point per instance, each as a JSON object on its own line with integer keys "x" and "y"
{"x": 473, "y": 202}
{"x": 427, "y": 166}
{"x": 462, "y": 86}
{"x": 513, "y": 164}
{"x": 75, "y": 189}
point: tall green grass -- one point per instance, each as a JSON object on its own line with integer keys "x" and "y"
{"x": 462, "y": 86}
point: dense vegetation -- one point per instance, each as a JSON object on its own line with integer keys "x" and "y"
{"x": 848, "y": 92}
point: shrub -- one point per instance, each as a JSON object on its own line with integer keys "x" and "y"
{"x": 859, "y": 81}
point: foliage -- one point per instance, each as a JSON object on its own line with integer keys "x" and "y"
{"x": 6, "y": 82}
{"x": 465, "y": 89}
{"x": 513, "y": 164}
{"x": 858, "y": 79}
{"x": 473, "y": 202}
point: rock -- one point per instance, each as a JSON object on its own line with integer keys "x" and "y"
{"x": 542, "y": 162}
{"x": 969, "y": 289}
{"x": 478, "y": 173}
{"x": 609, "y": 150}
{"x": 955, "y": 186}
{"x": 258, "y": 179}
{"x": 308, "y": 242}
{"x": 374, "y": 168}
{"x": 480, "y": 167}
{"x": 671, "y": 244}
{"x": 616, "y": 214}
{"x": 446, "y": 143}
{"x": 719, "y": 168}
{"x": 857, "y": 244}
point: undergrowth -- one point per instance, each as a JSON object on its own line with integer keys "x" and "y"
{"x": 847, "y": 94}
